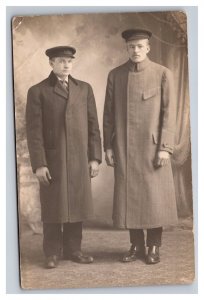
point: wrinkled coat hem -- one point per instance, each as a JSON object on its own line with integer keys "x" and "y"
{"x": 72, "y": 220}
{"x": 145, "y": 226}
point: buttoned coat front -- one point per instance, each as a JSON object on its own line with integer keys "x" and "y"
{"x": 63, "y": 134}
{"x": 139, "y": 120}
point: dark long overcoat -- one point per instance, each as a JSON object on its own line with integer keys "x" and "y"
{"x": 63, "y": 134}
{"x": 139, "y": 120}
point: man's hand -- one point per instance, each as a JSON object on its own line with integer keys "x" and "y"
{"x": 162, "y": 158}
{"x": 109, "y": 157}
{"x": 43, "y": 175}
{"x": 93, "y": 168}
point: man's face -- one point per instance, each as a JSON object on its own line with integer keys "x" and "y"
{"x": 62, "y": 66}
{"x": 138, "y": 49}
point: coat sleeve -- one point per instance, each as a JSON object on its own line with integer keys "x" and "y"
{"x": 34, "y": 129}
{"x": 168, "y": 113}
{"x": 108, "y": 115}
{"x": 94, "y": 138}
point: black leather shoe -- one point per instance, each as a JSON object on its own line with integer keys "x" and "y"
{"x": 153, "y": 256}
{"x": 51, "y": 262}
{"x": 80, "y": 258}
{"x": 134, "y": 253}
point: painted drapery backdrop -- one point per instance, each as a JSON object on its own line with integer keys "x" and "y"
{"x": 97, "y": 38}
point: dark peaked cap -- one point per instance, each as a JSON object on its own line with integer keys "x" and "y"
{"x": 136, "y": 34}
{"x": 61, "y": 51}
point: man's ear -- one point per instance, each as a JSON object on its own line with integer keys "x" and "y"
{"x": 51, "y": 62}
{"x": 148, "y": 48}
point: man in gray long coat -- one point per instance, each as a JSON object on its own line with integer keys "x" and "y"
{"x": 65, "y": 152}
{"x": 139, "y": 126}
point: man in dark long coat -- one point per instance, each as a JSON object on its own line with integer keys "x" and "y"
{"x": 139, "y": 126}
{"x": 65, "y": 152}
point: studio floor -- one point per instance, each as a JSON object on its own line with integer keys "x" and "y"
{"x": 107, "y": 246}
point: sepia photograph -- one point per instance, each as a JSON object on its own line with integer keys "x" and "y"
{"x": 103, "y": 150}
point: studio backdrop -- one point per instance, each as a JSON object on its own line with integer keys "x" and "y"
{"x": 100, "y": 48}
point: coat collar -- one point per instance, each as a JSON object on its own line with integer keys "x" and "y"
{"x": 53, "y": 79}
{"x": 58, "y": 89}
{"x": 138, "y": 67}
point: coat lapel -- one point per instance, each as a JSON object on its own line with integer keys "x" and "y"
{"x": 74, "y": 91}
{"x": 57, "y": 87}
{"x": 59, "y": 90}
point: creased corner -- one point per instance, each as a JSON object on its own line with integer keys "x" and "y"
{"x": 16, "y": 22}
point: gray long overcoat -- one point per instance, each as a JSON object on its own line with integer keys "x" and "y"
{"x": 139, "y": 120}
{"x": 63, "y": 134}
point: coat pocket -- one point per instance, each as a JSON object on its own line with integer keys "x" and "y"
{"x": 150, "y": 93}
